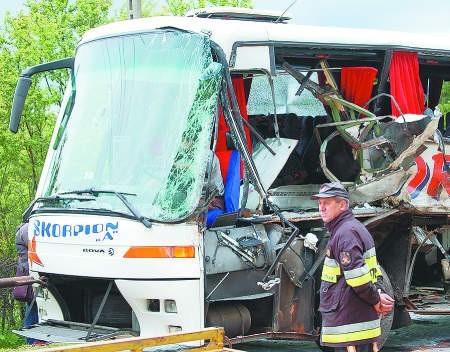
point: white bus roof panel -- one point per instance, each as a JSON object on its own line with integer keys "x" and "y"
{"x": 228, "y": 32}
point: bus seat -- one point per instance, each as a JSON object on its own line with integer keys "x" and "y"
{"x": 230, "y": 166}
{"x": 232, "y": 183}
{"x": 231, "y": 189}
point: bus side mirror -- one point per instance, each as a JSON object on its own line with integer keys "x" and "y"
{"x": 23, "y": 85}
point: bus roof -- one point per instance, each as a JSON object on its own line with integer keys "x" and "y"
{"x": 227, "y": 33}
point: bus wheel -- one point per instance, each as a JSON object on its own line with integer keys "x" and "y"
{"x": 387, "y": 319}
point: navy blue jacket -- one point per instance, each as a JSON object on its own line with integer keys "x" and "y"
{"x": 349, "y": 285}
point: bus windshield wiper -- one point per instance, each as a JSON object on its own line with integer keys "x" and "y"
{"x": 121, "y": 195}
{"x": 53, "y": 198}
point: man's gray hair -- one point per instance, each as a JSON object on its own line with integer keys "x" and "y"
{"x": 344, "y": 199}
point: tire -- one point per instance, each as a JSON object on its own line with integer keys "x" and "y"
{"x": 386, "y": 320}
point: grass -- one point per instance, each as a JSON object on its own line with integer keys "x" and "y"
{"x": 11, "y": 342}
{"x": 14, "y": 343}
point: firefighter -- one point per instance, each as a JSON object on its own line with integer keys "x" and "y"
{"x": 351, "y": 297}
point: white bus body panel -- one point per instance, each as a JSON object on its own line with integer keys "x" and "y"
{"x": 66, "y": 247}
{"x": 98, "y": 253}
{"x": 228, "y": 33}
{"x": 188, "y": 295}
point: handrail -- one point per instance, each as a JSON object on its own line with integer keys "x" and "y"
{"x": 214, "y": 336}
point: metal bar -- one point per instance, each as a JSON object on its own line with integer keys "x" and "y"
{"x": 275, "y": 118}
{"x": 217, "y": 286}
{"x": 233, "y": 122}
{"x": 99, "y": 311}
{"x": 322, "y": 158}
{"x": 19, "y": 281}
{"x": 285, "y": 247}
{"x": 428, "y": 311}
{"x": 382, "y": 86}
{"x": 275, "y": 335}
{"x": 309, "y": 274}
{"x": 411, "y": 265}
{"x": 303, "y": 82}
{"x": 258, "y": 135}
{"x": 215, "y": 337}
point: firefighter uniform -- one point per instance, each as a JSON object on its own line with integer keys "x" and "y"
{"x": 350, "y": 281}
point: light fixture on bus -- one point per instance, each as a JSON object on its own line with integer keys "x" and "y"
{"x": 170, "y": 306}
{"x": 160, "y": 252}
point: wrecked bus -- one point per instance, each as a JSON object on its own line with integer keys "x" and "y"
{"x": 120, "y": 228}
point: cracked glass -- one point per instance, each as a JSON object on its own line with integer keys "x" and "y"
{"x": 143, "y": 112}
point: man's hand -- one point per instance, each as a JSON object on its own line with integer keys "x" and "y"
{"x": 377, "y": 307}
{"x": 386, "y": 303}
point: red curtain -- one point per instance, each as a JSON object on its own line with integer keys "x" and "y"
{"x": 221, "y": 150}
{"x": 357, "y": 83}
{"x": 406, "y": 87}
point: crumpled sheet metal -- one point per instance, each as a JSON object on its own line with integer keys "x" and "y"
{"x": 416, "y": 144}
{"x": 417, "y": 190}
{"x": 388, "y": 184}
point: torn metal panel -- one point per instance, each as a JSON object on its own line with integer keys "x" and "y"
{"x": 230, "y": 249}
{"x": 391, "y": 182}
{"x": 396, "y": 139}
{"x": 385, "y": 149}
{"x": 262, "y": 157}
{"x": 378, "y": 188}
{"x": 293, "y": 306}
{"x": 428, "y": 301}
{"x": 417, "y": 142}
{"x": 292, "y": 261}
{"x": 427, "y": 188}
{"x": 375, "y": 220}
{"x": 294, "y": 196}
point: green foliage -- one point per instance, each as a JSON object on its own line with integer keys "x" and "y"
{"x": 43, "y": 31}
{"x": 180, "y": 7}
{"x": 11, "y": 341}
{"x": 444, "y": 102}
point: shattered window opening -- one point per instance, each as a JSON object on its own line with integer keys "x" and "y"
{"x": 141, "y": 123}
{"x": 285, "y": 86}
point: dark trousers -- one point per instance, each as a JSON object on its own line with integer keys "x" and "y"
{"x": 31, "y": 314}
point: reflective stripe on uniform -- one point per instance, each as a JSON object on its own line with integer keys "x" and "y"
{"x": 351, "y": 332}
{"x": 369, "y": 253}
{"x": 355, "y": 277}
{"x": 358, "y": 276}
{"x": 371, "y": 260}
{"x": 331, "y": 270}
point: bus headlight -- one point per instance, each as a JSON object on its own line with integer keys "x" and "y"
{"x": 170, "y": 306}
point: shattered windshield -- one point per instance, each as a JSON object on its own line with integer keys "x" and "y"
{"x": 141, "y": 123}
